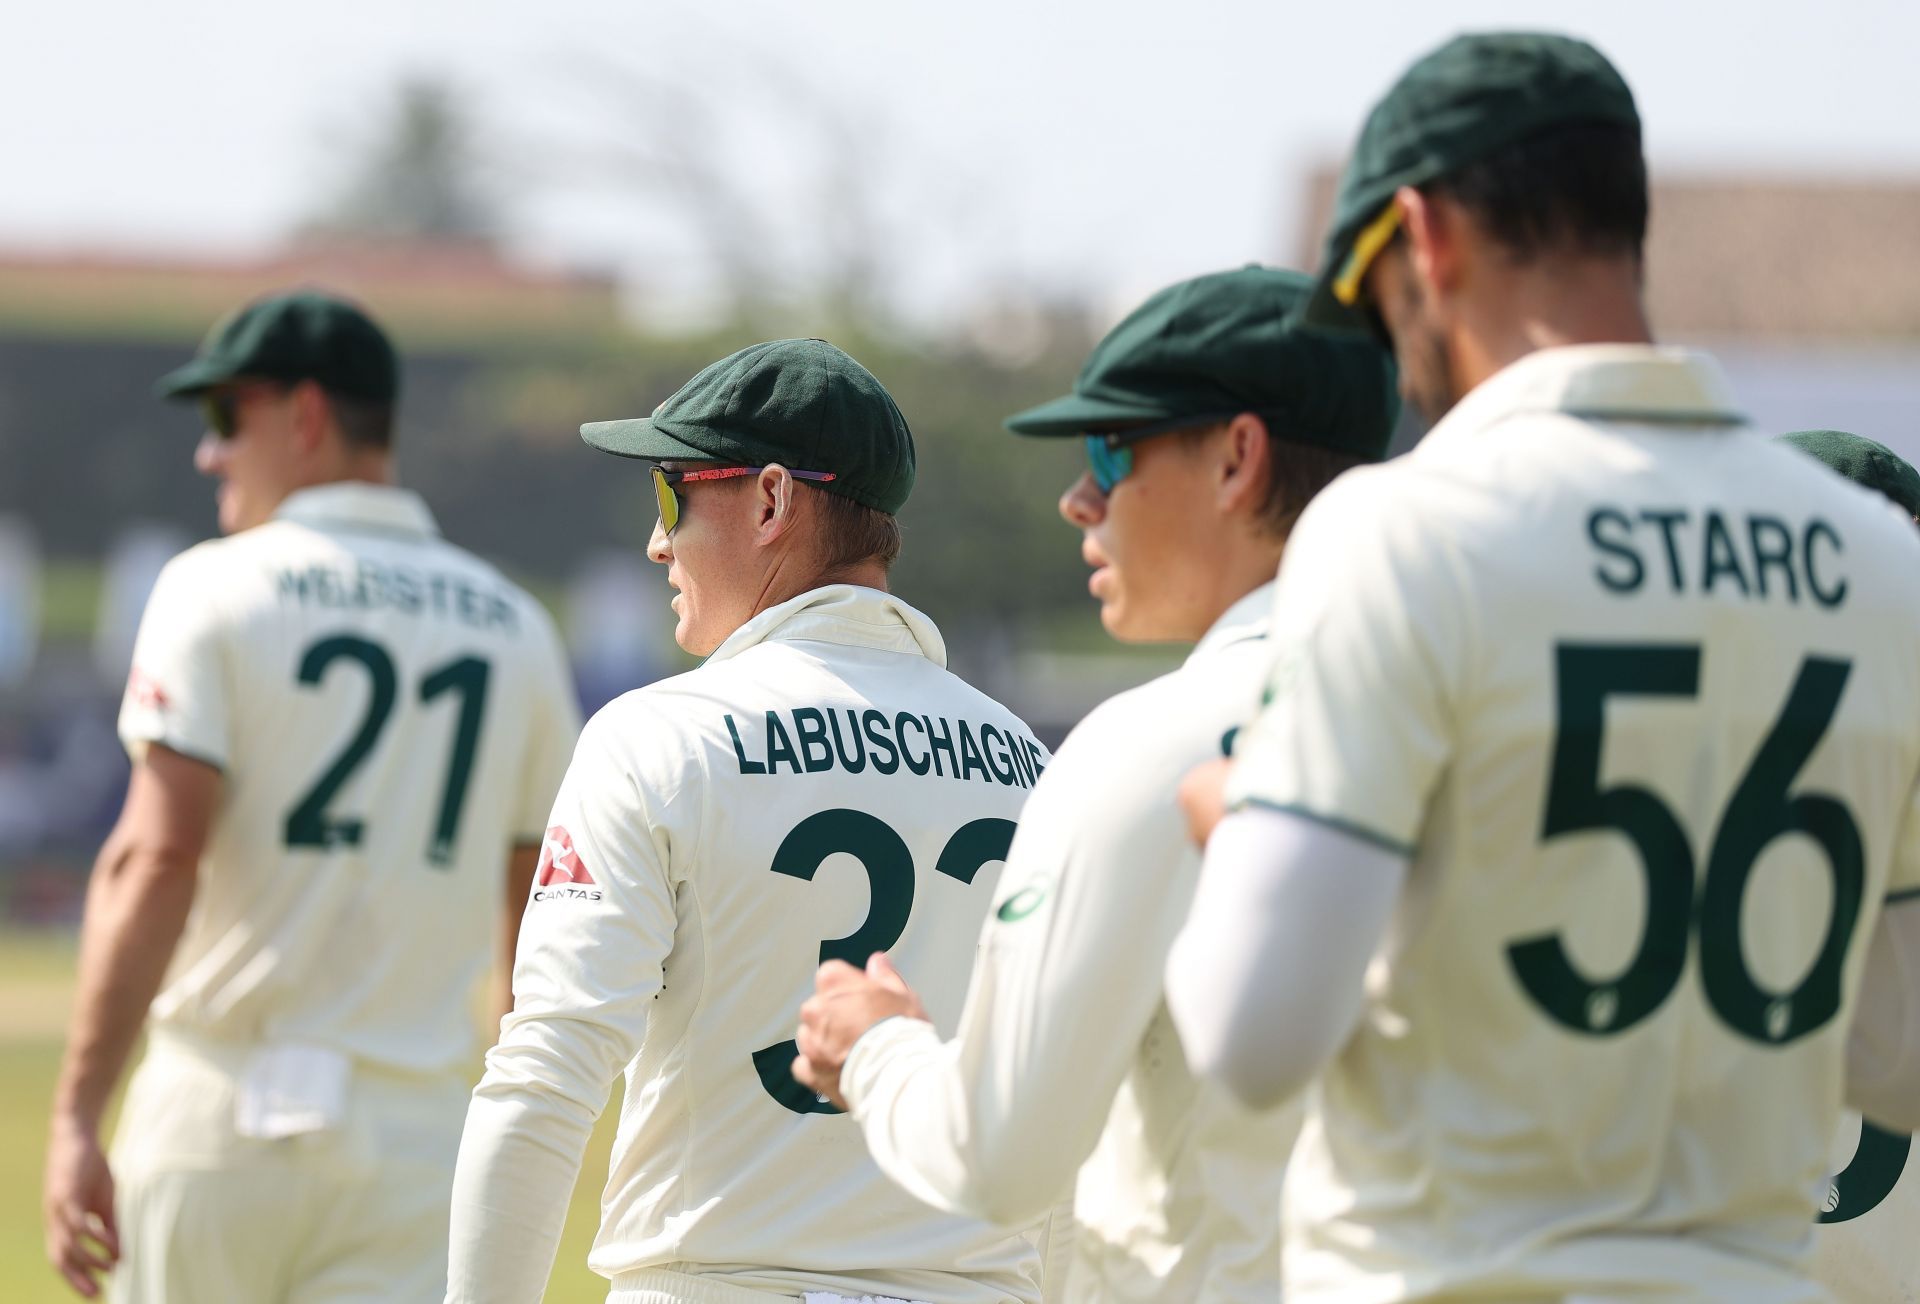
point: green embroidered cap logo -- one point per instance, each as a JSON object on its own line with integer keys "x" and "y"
{"x": 1022, "y": 903}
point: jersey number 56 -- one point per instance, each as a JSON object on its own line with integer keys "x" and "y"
{"x": 1761, "y": 810}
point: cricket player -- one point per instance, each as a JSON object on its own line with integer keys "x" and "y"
{"x": 1209, "y": 422}
{"x": 820, "y": 788}
{"x": 1576, "y": 839}
{"x": 1865, "y": 1250}
{"x": 345, "y": 734}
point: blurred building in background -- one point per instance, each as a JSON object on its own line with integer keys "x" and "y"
{"x": 100, "y": 491}
{"x": 502, "y": 362}
{"x": 1808, "y": 291}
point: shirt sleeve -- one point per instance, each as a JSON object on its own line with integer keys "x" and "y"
{"x": 1883, "y": 1044}
{"x": 555, "y": 727}
{"x": 1903, "y": 875}
{"x": 995, "y": 1123}
{"x": 1266, "y": 980}
{"x": 593, "y": 945}
{"x": 178, "y": 690}
{"x": 1370, "y": 635}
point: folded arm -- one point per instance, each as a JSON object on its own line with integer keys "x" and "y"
{"x": 996, "y": 1122}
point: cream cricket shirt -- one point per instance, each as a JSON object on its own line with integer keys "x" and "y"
{"x": 1639, "y": 692}
{"x": 1867, "y": 1247}
{"x": 821, "y": 787}
{"x": 1065, "y": 1050}
{"x": 389, "y": 715}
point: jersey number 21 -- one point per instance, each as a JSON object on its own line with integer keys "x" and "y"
{"x": 308, "y": 823}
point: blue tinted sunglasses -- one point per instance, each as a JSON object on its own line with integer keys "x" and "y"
{"x": 1110, "y": 454}
{"x": 1111, "y": 462}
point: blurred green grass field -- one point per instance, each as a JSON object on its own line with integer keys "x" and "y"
{"x": 36, "y": 979}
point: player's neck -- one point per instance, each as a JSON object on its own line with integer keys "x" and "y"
{"x": 868, "y": 575}
{"x": 1237, "y": 562}
{"x": 1547, "y": 305}
{"x": 351, "y": 468}
{"x": 1244, "y": 567}
{"x": 788, "y": 580}
{"x": 366, "y": 466}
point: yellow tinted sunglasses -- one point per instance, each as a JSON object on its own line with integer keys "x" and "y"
{"x": 668, "y": 498}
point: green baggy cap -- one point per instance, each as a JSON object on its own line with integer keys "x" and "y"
{"x": 1216, "y": 346}
{"x": 801, "y": 403}
{"x": 1864, "y": 462}
{"x": 302, "y": 335}
{"x": 1474, "y": 95}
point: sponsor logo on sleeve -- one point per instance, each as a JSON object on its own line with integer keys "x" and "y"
{"x": 1288, "y": 666}
{"x": 1024, "y": 902}
{"x": 561, "y": 875}
{"x": 144, "y": 691}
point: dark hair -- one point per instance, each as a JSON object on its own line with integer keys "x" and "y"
{"x": 363, "y": 423}
{"x": 853, "y": 535}
{"x": 1575, "y": 189}
{"x": 1299, "y": 471}
{"x": 1295, "y": 473}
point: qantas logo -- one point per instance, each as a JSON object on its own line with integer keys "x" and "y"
{"x": 561, "y": 864}
{"x": 145, "y": 691}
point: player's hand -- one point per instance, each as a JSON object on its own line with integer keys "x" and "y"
{"x": 1203, "y": 797}
{"x": 83, "y": 1241}
{"x": 845, "y": 1003}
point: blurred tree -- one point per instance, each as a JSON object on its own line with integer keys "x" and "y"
{"x": 985, "y": 544}
{"x": 418, "y": 178}
{"x": 791, "y": 203}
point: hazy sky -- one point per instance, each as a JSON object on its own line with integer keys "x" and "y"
{"x": 1093, "y": 146}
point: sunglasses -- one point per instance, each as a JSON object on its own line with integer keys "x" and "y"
{"x": 1111, "y": 462}
{"x": 221, "y": 407}
{"x": 1110, "y": 452}
{"x": 668, "y": 498}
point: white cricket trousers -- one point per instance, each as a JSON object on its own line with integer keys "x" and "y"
{"x": 665, "y": 1286}
{"x": 352, "y": 1215}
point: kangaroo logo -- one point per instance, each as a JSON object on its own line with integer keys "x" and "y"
{"x": 559, "y": 862}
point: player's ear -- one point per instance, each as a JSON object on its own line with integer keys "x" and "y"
{"x": 1434, "y": 226}
{"x": 1245, "y": 464}
{"x": 774, "y": 505}
{"x": 312, "y": 415}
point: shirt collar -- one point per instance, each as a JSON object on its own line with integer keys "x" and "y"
{"x": 1639, "y": 384}
{"x": 848, "y": 614}
{"x": 1244, "y": 621}
{"x": 359, "y": 504}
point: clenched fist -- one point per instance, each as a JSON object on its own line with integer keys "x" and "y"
{"x": 845, "y": 1003}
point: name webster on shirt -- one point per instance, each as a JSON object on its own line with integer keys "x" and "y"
{"x": 812, "y": 740}
{"x": 400, "y": 589}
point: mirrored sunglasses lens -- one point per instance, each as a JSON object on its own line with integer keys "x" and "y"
{"x": 218, "y": 411}
{"x": 1110, "y": 465}
{"x": 666, "y": 500}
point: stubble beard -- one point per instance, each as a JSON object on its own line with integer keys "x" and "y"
{"x": 1425, "y": 358}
